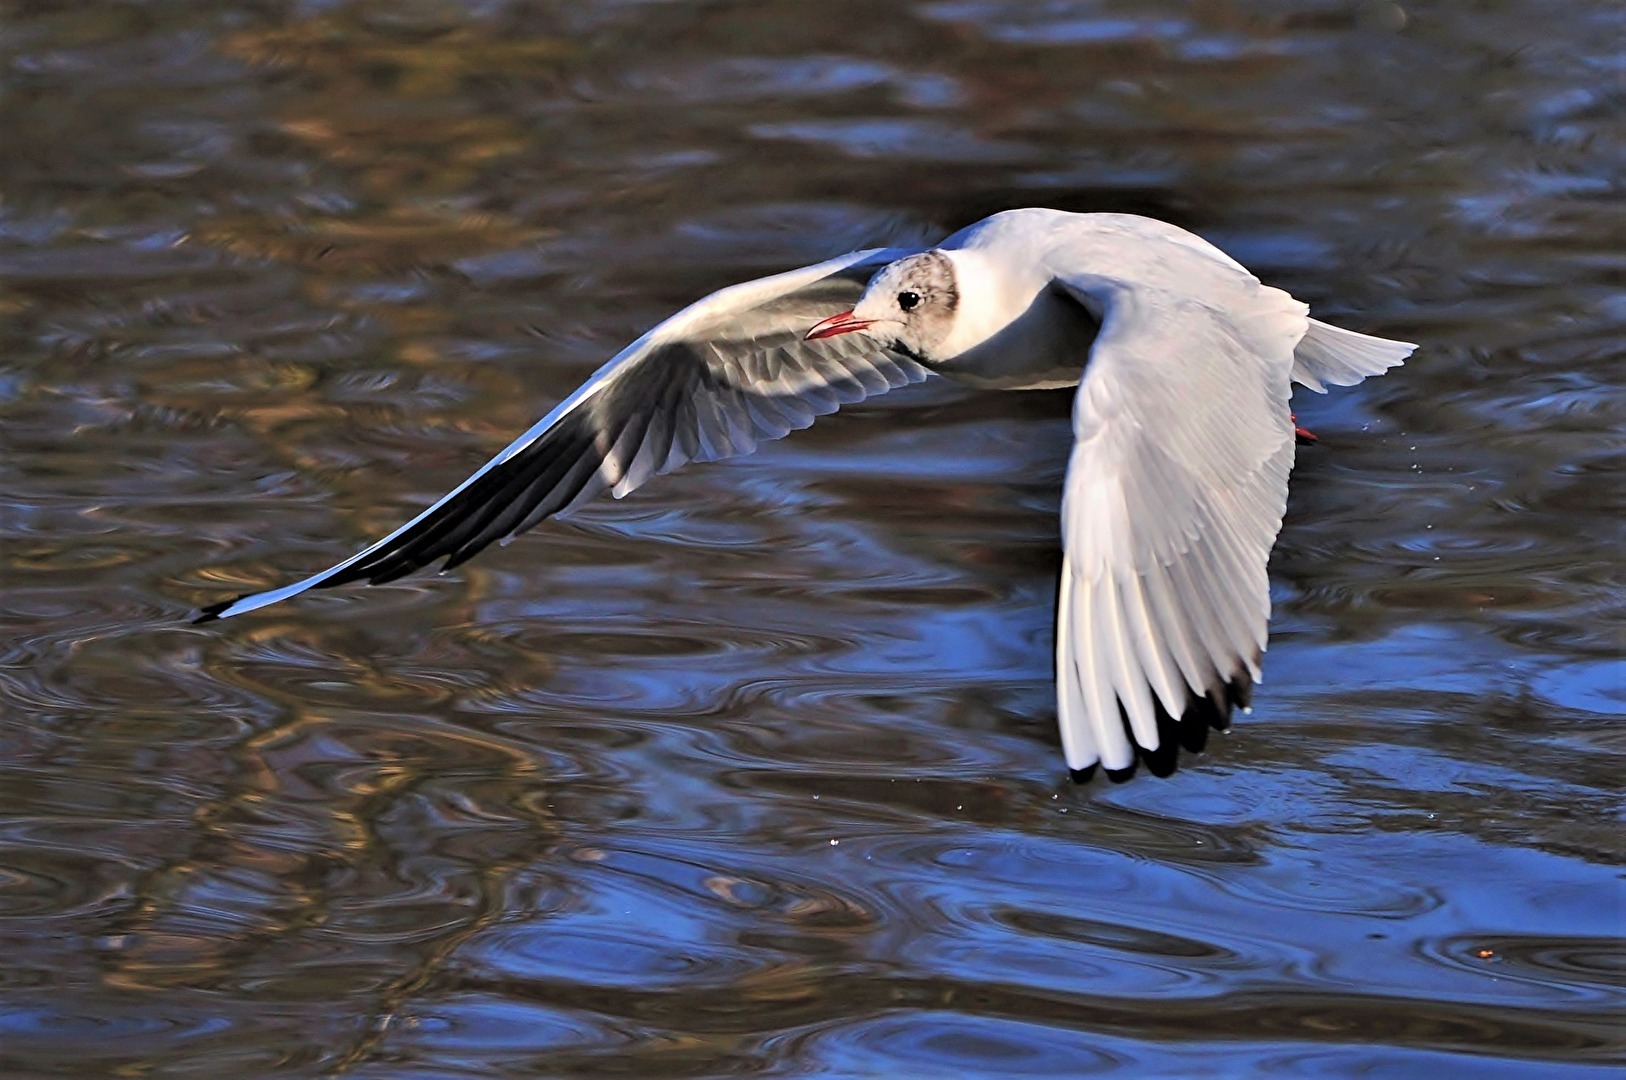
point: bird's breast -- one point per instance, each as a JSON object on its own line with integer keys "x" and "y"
{"x": 1044, "y": 346}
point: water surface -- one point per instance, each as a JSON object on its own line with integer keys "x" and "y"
{"x": 754, "y": 772}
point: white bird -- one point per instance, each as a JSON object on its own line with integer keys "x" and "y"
{"x": 1178, "y": 476}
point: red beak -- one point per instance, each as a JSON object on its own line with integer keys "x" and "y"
{"x": 843, "y": 323}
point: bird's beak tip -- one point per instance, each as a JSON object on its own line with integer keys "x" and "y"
{"x": 842, "y": 323}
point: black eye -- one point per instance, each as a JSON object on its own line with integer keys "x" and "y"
{"x": 908, "y": 301}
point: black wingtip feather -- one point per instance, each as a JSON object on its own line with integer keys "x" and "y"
{"x": 212, "y": 612}
{"x": 1188, "y": 732}
{"x": 1119, "y": 776}
{"x": 393, "y": 573}
{"x": 1239, "y": 691}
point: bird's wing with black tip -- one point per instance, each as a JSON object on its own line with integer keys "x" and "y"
{"x": 711, "y": 382}
{"x": 1174, "y": 496}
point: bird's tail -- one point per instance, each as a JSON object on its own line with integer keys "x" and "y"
{"x": 1327, "y": 354}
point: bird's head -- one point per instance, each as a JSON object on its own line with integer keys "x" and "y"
{"x": 908, "y": 306}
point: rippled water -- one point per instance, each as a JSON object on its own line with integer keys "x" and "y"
{"x": 754, "y": 772}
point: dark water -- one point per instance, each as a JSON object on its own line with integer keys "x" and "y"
{"x": 754, "y": 773}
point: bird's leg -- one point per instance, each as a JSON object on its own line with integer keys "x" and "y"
{"x": 1304, "y": 437}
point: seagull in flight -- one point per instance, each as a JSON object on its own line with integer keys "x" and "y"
{"x": 1175, "y": 489}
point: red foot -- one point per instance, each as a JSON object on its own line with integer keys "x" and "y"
{"x": 1301, "y": 434}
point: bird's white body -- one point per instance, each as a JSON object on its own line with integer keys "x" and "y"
{"x": 1183, "y": 438}
{"x": 1036, "y": 350}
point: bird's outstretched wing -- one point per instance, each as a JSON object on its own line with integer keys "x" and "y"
{"x": 710, "y": 382}
{"x": 1175, "y": 490}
